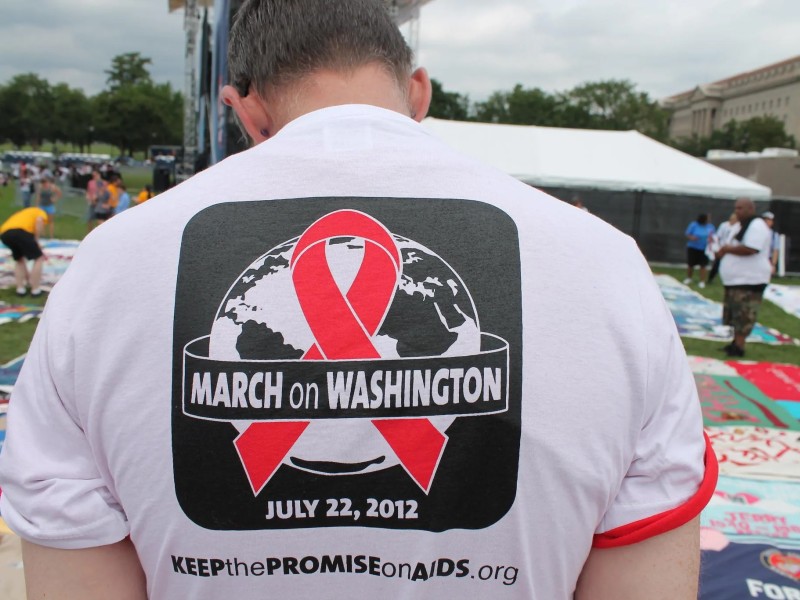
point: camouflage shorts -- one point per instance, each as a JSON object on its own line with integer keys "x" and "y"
{"x": 741, "y": 308}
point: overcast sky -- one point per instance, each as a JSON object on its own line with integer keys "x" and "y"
{"x": 471, "y": 46}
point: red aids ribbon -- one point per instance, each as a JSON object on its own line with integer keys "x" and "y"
{"x": 343, "y": 326}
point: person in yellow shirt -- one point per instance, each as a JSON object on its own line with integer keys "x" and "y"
{"x": 20, "y": 233}
{"x": 114, "y": 192}
{"x": 144, "y": 195}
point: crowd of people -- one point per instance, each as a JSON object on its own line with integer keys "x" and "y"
{"x": 106, "y": 196}
{"x": 105, "y": 191}
{"x": 744, "y": 250}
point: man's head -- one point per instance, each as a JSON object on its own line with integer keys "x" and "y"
{"x": 744, "y": 209}
{"x": 289, "y": 57}
{"x": 769, "y": 218}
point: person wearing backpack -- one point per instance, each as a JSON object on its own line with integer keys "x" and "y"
{"x": 745, "y": 271}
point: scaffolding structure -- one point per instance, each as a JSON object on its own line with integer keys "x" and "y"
{"x": 408, "y": 12}
{"x": 191, "y": 25}
{"x": 404, "y": 12}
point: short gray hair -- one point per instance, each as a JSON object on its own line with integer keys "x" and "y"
{"x": 279, "y": 42}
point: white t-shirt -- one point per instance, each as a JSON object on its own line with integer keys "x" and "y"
{"x": 721, "y": 236}
{"x": 347, "y": 363}
{"x": 753, "y": 269}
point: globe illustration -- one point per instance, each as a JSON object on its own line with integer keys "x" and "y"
{"x": 431, "y": 314}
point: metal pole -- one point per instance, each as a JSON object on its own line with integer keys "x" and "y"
{"x": 413, "y": 32}
{"x": 191, "y": 23}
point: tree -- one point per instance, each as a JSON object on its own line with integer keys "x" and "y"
{"x": 448, "y": 105}
{"x": 3, "y": 111}
{"x": 615, "y": 104}
{"x": 595, "y": 105}
{"x": 71, "y": 118}
{"x": 752, "y": 135}
{"x": 520, "y": 106}
{"x": 137, "y": 116}
{"x": 694, "y": 145}
{"x": 531, "y": 107}
{"x": 133, "y": 112}
{"x": 128, "y": 69}
{"x": 494, "y": 109}
{"x": 765, "y": 132}
{"x": 26, "y": 106}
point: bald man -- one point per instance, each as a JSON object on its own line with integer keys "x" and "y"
{"x": 745, "y": 270}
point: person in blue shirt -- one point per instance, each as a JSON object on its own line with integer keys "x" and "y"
{"x": 698, "y": 233}
{"x": 124, "y": 199}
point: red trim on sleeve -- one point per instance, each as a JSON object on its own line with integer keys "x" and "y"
{"x": 648, "y": 527}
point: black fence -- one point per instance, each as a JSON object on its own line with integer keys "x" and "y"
{"x": 787, "y": 221}
{"x": 658, "y": 221}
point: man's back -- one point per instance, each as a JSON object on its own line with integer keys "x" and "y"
{"x": 486, "y": 416}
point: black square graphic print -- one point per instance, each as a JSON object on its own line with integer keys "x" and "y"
{"x": 347, "y": 362}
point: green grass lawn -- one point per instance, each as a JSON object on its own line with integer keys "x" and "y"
{"x": 15, "y": 337}
{"x": 770, "y": 315}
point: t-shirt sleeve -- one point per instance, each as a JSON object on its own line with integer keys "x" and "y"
{"x": 673, "y": 471}
{"x": 52, "y": 491}
{"x": 756, "y": 235}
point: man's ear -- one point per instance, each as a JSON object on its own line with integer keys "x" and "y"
{"x": 419, "y": 94}
{"x": 251, "y": 111}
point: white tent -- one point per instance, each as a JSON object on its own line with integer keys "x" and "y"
{"x": 583, "y": 158}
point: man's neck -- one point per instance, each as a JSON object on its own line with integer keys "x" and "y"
{"x": 370, "y": 84}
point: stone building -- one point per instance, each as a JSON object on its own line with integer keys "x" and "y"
{"x": 771, "y": 90}
{"x": 776, "y": 168}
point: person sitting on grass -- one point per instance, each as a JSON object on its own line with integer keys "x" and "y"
{"x": 20, "y": 233}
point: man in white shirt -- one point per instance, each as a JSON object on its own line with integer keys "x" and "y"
{"x": 347, "y": 363}
{"x": 745, "y": 271}
{"x": 719, "y": 239}
{"x": 774, "y": 249}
